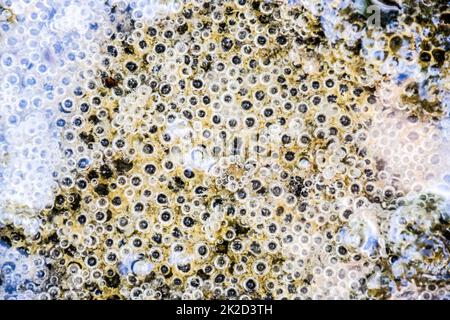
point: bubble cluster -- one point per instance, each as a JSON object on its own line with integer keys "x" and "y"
{"x": 225, "y": 149}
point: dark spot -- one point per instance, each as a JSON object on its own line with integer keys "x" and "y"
{"x": 92, "y": 175}
{"x": 113, "y": 282}
{"x": 122, "y": 165}
{"x": 222, "y": 248}
{"x": 105, "y": 171}
{"x": 102, "y": 189}
{"x": 110, "y": 82}
{"x": 87, "y": 138}
{"x": 75, "y": 205}
{"x": 94, "y": 119}
{"x": 182, "y": 29}
{"x": 179, "y": 182}
{"x": 380, "y": 164}
{"x": 296, "y": 186}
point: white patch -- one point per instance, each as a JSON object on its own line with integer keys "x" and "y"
{"x": 197, "y": 158}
